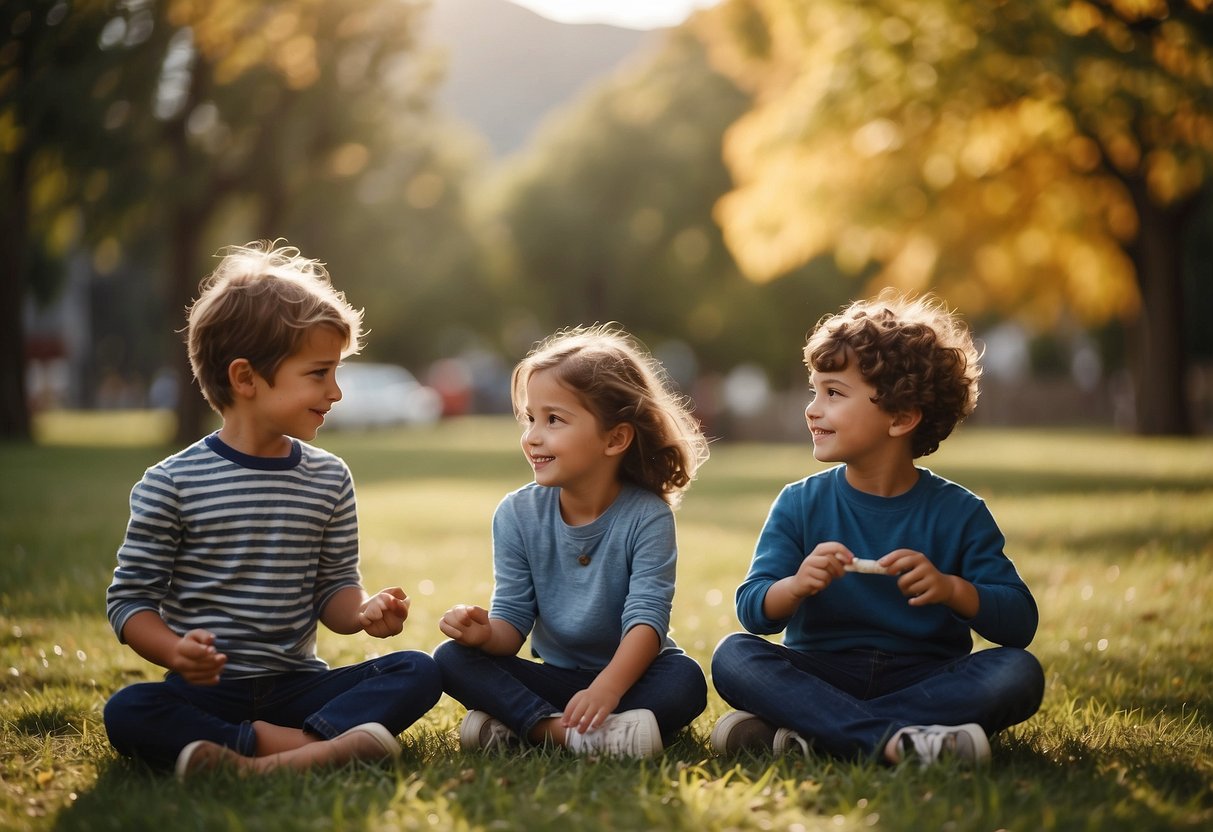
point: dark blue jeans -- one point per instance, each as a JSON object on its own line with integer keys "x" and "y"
{"x": 848, "y": 704}
{"x": 520, "y": 692}
{"x": 155, "y": 720}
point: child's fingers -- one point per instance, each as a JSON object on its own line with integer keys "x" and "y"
{"x": 394, "y": 592}
{"x": 451, "y": 628}
{"x": 203, "y": 638}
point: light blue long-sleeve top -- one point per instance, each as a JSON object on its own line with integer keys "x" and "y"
{"x": 576, "y": 590}
{"x": 939, "y": 518}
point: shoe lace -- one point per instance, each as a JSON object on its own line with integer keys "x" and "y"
{"x": 785, "y": 737}
{"x": 618, "y": 734}
{"x": 928, "y": 745}
{"x": 499, "y": 735}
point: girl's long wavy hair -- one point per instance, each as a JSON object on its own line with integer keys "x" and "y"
{"x": 914, "y": 351}
{"x": 619, "y": 381}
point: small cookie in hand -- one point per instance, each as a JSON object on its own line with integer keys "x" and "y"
{"x": 866, "y": 566}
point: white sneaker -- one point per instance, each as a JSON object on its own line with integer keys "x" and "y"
{"x": 931, "y": 743}
{"x": 480, "y": 731}
{"x": 627, "y": 734}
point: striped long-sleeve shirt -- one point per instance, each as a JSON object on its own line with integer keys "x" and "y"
{"x": 249, "y": 548}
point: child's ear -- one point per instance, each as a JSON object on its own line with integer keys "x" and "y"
{"x": 619, "y": 438}
{"x": 905, "y": 421}
{"x": 241, "y": 376}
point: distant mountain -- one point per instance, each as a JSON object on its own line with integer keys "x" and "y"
{"x": 509, "y": 67}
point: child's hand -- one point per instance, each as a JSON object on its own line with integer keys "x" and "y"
{"x": 196, "y": 660}
{"x": 588, "y": 708}
{"x": 384, "y": 613}
{"x": 817, "y": 571}
{"x": 918, "y": 579}
{"x": 466, "y": 624}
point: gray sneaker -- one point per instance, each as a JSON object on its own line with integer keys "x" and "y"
{"x": 626, "y": 734}
{"x": 739, "y": 730}
{"x": 480, "y": 731}
{"x": 932, "y": 743}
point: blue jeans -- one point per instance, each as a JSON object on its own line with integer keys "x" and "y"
{"x": 848, "y": 704}
{"x": 520, "y": 692}
{"x": 155, "y": 720}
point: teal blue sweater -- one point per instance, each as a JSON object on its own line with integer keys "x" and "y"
{"x": 945, "y": 521}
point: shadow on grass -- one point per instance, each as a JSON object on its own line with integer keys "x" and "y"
{"x": 49, "y": 722}
{"x": 1146, "y": 777}
{"x": 128, "y": 795}
{"x": 1068, "y": 785}
{"x": 1107, "y": 546}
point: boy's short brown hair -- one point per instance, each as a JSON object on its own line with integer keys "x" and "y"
{"x": 914, "y": 351}
{"x": 259, "y": 304}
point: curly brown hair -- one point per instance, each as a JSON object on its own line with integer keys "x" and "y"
{"x": 618, "y": 381}
{"x": 916, "y": 353}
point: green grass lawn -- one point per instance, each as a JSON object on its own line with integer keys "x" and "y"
{"x": 1114, "y": 534}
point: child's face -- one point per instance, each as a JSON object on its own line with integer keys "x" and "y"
{"x": 304, "y": 388}
{"x": 561, "y": 438}
{"x": 847, "y": 426}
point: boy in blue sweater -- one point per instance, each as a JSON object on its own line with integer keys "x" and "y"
{"x": 876, "y": 570}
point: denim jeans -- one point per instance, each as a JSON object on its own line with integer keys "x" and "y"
{"x": 848, "y": 704}
{"x": 520, "y": 692}
{"x": 155, "y": 720}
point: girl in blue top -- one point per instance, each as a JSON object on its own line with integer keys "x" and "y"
{"x": 583, "y": 562}
{"x": 877, "y": 570}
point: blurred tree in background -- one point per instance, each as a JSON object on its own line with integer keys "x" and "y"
{"x": 607, "y": 216}
{"x": 49, "y": 67}
{"x": 1046, "y": 159}
{"x": 202, "y": 124}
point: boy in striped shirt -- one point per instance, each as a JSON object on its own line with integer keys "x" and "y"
{"x": 239, "y": 544}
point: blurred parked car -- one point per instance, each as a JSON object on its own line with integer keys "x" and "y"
{"x": 381, "y": 395}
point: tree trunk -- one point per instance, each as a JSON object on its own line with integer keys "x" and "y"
{"x": 183, "y": 263}
{"x": 1159, "y": 363}
{"x": 14, "y": 403}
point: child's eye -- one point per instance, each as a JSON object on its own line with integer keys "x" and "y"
{"x": 553, "y": 419}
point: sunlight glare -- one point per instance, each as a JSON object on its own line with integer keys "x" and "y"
{"x": 631, "y": 14}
